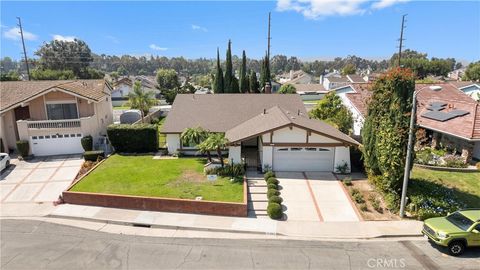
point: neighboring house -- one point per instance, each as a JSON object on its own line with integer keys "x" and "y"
{"x": 451, "y": 118}
{"x": 355, "y": 97}
{"x": 294, "y": 77}
{"x": 54, "y": 115}
{"x": 263, "y": 131}
{"x": 312, "y": 91}
{"x": 457, "y": 74}
{"x": 335, "y": 82}
{"x": 468, "y": 87}
{"x": 354, "y": 78}
{"x": 124, "y": 86}
{"x": 276, "y": 86}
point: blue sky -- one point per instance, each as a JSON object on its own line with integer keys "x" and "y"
{"x": 310, "y": 29}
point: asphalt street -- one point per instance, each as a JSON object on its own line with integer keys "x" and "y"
{"x": 40, "y": 245}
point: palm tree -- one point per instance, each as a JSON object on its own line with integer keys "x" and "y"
{"x": 140, "y": 99}
{"x": 193, "y": 136}
{"x": 204, "y": 147}
{"x": 217, "y": 141}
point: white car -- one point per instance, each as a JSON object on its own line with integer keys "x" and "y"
{"x": 4, "y": 161}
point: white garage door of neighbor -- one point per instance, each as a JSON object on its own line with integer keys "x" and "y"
{"x": 56, "y": 144}
{"x": 303, "y": 159}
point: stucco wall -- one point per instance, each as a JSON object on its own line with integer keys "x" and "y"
{"x": 173, "y": 143}
{"x": 8, "y": 129}
{"x": 37, "y": 109}
{"x": 234, "y": 154}
{"x": 358, "y": 118}
{"x": 342, "y": 155}
{"x": 85, "y": 109}
{"x": 57, "y": 95}
{"x": 267, "y": 156}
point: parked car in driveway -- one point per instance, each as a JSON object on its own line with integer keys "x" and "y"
{"x": 4, "y": 161}
{"x": 456, "y": 231}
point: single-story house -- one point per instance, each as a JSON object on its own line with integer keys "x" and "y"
{"x": 124, "y": 86}
{"x": 294, "y": 77}
{"x": 54, "y": 115}
{"x": 335, "y": 82}
{"x": 264, "y": 130}
{"x": 310, "y": 91}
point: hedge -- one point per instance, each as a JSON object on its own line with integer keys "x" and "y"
{"x": 93, "y": 155}
{"x": 268, "y": 175}
{"x": 139, "y": 138}
{"x": 272, "y": 192}
{"x": 275, "y": 199}
{"x": 23, "y": 148}
{"x": 272, "y": 186}
{"x": 273, "y": 180}
{"x": 87, "y": 143}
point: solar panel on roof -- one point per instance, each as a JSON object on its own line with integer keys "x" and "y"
{"x": 438, "y": 116}
{"x": 458, "y": 112}
{"x": 437, "y": 106}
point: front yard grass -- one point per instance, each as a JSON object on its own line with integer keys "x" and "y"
{"x": 181, "y": 178}
{"x": 465, "y": 185}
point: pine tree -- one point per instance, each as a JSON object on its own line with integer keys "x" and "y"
{"x": 265, "y": 72}
{"x": 228, "y": 70}
{"x": 219, "y": 84}
{"x": 254, "y": 86}
{"x": 243, "y": 75}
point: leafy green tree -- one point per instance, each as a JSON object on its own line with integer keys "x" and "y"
{"x": 167, "y": 79}
{"x": 348, "y": 69}
{"x": 114, "y": 75}
{"x": 287, "y": 89}
{"x": 193, "y": 136}
{"x": 49, "y": 74}
{"x": 243, "y": 75}
{"x": 473, "y": 72}
{"x": 141, "y": 99}
{"x": 385, "y": 132}
{"x": 254, "y": 85}
{"x": 265, "y": 72}
{"x": 219, "y": 85}
{"x": 10, "y": 76}
{"x": 217, "y": 142}
{"x": 65, "y": 55}
{"x": 331, "y": 110}
{"x": 228, "y": 79}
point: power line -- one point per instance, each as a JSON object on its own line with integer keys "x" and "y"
{"x": 23, "y": 43}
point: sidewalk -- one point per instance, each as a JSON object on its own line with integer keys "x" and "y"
{"x": 299, "y": 229}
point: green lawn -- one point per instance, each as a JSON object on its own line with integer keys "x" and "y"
{"x": 466, "y": 185}
{"x": 171, "y": 178}
{"x": 162, "y": 138}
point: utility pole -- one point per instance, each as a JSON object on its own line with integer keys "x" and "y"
{"x": 23, "y": 43}
{"x": 401, "y": 40}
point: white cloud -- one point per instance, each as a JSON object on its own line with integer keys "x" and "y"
{"x": 14, "y": 34}
{"x": 386, "y": 3}
{"x": 315, "y": 9}
{"x": 64, "y": 38}
{"x": 200, "y": 28}
{"x": 157, "y": 48}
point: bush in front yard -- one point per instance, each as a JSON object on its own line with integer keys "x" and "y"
{"x": 272, "y": 192}
{"x": 93, "y": 155}
{"x": 268, "y": 174}
{"x": 87, "y": 143}
{"x": 23, "y": 148}
{"x": 274, "y": 210}
{"x": 140, "y": 138}
{"x": 272, "y": 186}
{"x": 275, "y": 199}
{"x": 272, "y": 180}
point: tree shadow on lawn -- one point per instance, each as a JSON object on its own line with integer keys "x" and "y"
{"x": 436, "y": 191}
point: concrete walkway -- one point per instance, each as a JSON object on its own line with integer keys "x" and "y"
{"x": 257, "y": 195}
{"x": 297, "y": 229}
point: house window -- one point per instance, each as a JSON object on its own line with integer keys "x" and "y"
{"x": 282, "y": 149}
{"x": 46, "y": 137}
{"x": 34, "y": 137}
{"x": 311, "y": 149}
{"x": 59, "y": 111}
{"x": 295, "y": 149}
{"x": 323, "y": 149}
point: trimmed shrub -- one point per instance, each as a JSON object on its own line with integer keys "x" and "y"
{"x": 272, "y": 180}
{"x": 140, "y": 138}
{"x": 23, "y": 148}
{"x": 274, "y": 210}
{"x": 87, "y": 143}
{"x": 272, "y": 186}
{"x": 363, "y": 207}
{"x": 272, "y": 192}
{"x": 357, "y": 196}
{"x": 275, "y": 199}
{"x": 268, "y": 174}
{"x": 375, "y": 203}
{"x": 93, "y": 155}
{"x": 347, "y": 181}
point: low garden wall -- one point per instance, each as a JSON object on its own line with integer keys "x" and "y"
{"x": 448, "y": 169}
{"x": 157, "y": 203}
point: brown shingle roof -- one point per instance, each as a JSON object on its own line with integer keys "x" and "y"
{"x": 338, "y": 79}
{"x": 277, "y": 117}
{"x": 308, "y": 87}
{"x": 221, "y": 112}
{"x": 354, "y": 78}
{"x": 466, "y": 126}
{"x": 15, "y": 92}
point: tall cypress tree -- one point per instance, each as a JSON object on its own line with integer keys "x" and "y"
{"x": 243, "y": 74}
{"x": 219, "y": 84}
{"x": 228, "y": 70}
{"x": 265, "y": 72}
{"x": 254, "y": 86}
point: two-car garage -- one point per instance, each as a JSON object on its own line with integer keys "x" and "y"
{"x": 56, "y": 144}
{"x": 303, "y": 158}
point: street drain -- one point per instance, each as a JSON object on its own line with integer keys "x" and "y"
{"x": 141, "y": 225}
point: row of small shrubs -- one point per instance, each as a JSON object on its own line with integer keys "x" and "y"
{"x": 274, "y": 208}
{"x": 229, "y": 170}
{"x": 139, "y": 138}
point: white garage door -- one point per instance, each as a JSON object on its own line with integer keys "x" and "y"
{"x": 303, "y": 159}
{"x": 56, "y": 144}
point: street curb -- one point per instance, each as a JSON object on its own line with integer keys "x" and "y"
{"x": 135, "y": 224}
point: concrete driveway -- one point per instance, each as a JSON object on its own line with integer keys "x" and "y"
{"x": 315, "y": 196}
{"x": 38, "y": 180}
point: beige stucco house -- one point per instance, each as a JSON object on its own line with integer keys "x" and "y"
{"x": 54, "y": 115}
